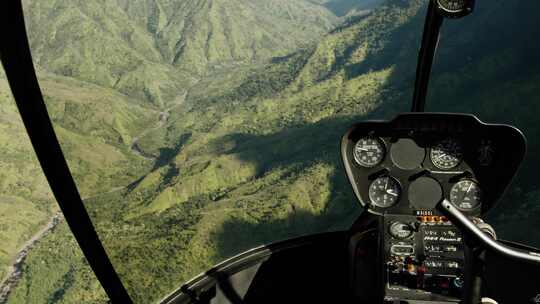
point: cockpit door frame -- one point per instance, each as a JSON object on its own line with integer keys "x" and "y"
{"x": 17, "y": 61}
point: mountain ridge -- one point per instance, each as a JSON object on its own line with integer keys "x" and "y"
{"x": 151, "y": 49}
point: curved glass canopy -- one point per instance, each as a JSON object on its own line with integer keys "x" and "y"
{"x": 195, "y": 132}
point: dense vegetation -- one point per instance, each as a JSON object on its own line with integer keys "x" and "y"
{"x": 24, "y": 195}
{"x": 250, "y": 154}
{"x": 153, "y": 50}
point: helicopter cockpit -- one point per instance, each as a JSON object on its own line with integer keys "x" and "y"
{"x": 425, "y": 182}
{"x": 401, "y": 170}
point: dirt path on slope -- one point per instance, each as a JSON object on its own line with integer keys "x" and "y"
{"x": 15, "y": 273}
{"x": 15, "y": 270}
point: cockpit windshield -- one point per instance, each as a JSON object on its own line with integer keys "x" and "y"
{"x": 196, "y": 130}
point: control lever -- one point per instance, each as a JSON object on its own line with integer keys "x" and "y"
{"x": 470, "y": 229}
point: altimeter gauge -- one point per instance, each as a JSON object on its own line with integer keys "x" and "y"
{"x": 466, "y": 195}
{"x": 384, "y": 192}
{"x": 447, "y": 154}
{"x": 369, "y": 152}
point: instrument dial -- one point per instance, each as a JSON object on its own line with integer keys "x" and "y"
{"x": 369, "y": 152}
{"x": 453, "y": 6}
{"x": 466, "y": 195}
{"x": 384, "y": 192}
{"x": 401, "y": 230}
{"x": 447, "y": 154}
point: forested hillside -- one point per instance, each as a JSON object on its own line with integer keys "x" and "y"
{"x": 249, "y": 154}
{"x": 154, "y": 49}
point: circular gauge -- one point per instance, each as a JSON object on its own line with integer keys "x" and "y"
{"x": 369, "y": 152}
{"x": 453, "y": 6}
{"x": 466, "y": 195}
{"x": 400, "y": 230}
{"x": 447, "y": 154}
{"x": 384, "y": 192}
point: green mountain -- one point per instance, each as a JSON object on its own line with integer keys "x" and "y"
{"x": 153, "y": 50}
{"x": 250, "y": 155}
{"x": 110, "y": 70}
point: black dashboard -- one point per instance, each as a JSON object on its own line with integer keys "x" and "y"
{"x": 407, "y": 165}
{"x": 402, "y": 169}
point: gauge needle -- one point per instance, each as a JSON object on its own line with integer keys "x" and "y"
{"x": 391, "y": 192}
{"x": 466, "y": 193}
{"x": 362, "y": 149}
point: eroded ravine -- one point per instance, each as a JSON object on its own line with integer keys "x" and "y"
{"x": 14, "y": 275}
{"x": 162, "y": 121}
{"x": 15, "y": 270}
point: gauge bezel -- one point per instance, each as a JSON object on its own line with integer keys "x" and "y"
{"x": 460, "y": 159}
{"x": 410, "y": 236}
{"x": 478, "y": 205}
{"x": 400, "y": 194}
{"x": 382, "y": 144}
{"x": 452, "y": 13}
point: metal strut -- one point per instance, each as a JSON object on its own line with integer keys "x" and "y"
{"x": 430, "y": 40}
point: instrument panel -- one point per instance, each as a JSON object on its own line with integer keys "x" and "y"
{"x": 422, "y": 260}
{"x": 408, "y": 165}
{"x": 403, "y": 168}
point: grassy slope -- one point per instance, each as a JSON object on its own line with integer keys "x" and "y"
{"x": 93, "y": 141}
{"x": 152, "y": 49}
{"x": 68, "y": 280}
{"x": 24, "y": 194}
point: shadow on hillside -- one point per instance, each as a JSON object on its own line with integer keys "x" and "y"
{"x": 295, "y": 149}
{"x": 301, "y": 147}
{"x": 304, "y": 145}
{"x": 298, "y": 145}
{"x": 167, "y": 154}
